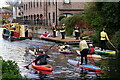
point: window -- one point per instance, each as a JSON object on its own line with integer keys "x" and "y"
{"x": 54, "y": 2}
{"x": 49, "y": 2}
{"x": 31, "y": 4}
{"x": 49, "y": 16}
{"x": 34, "y": 3}
{"x": 67, "y": 14}
{"x": 40, "y": 3}
{"x": 53, "y": 17}
{"x": 66, "y": 1}
{"x": 37, "y": 3}
{"x": 26, "y": 7}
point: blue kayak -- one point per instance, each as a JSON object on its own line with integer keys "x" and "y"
{"x": 88, "y": 67}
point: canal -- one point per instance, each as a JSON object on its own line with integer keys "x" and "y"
{"x": 16, "y": 51}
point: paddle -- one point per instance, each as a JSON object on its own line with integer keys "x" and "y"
{"x": 113, "y": 46}
{"x": 27, "y": 66}
{"x": 78, "y": 55}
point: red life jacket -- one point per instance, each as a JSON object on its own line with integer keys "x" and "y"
{"x": 92, "y": 50}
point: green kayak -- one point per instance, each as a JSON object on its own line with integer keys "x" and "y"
{"x": 105, "y": 51}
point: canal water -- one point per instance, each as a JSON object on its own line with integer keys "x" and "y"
{"x": 16, "y": 51}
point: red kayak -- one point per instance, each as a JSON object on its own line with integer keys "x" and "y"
{"x": 46, "y": 67}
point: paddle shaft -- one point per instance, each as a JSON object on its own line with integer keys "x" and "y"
{"x": 113, "y": 46}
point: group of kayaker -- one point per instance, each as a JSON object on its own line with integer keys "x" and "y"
{"x": 84, "y": 48}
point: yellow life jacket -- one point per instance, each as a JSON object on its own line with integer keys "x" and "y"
{"x": 103, "y": 36}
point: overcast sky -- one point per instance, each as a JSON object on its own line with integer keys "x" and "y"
{"x": 2, "y": 3}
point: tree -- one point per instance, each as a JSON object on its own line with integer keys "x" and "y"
{"x": 100, "y": 14}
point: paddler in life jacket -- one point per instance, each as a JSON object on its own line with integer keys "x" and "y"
{"x": 91, "y": 49}
{"x": 42, "y": 58}
{"x": 103, "y": 39}
{"x": 76, "y": 30}
{"x": 62, "y": 31}
{"x": 54, "y": 30}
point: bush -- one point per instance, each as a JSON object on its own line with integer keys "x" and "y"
{"x": 70, "y": 22}
{"x": 10, "y": 70}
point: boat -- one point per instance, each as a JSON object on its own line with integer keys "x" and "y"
{"x": 46, "y": 67}
{"x": 65, "y": 51}
{"x": 91, "y": 55}
{"x": 15, "y": 31}
{"x": 105, "y": 51}
{"x": 85, "y": 66}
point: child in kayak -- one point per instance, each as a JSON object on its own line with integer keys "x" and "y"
{"x": 42, "y": 58}
{"x": 91, "y": 49}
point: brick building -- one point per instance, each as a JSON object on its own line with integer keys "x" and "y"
{"x": 47, "y": 12}
{"x": 5, "y": 14}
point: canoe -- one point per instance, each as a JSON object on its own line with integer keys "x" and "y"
{"x": 87, "y": 67}
{"x": 105, "y": 51}
{"x": 46, "y": 67}
{"x": 65, "y": 51}
{"x": 90, "y": 55}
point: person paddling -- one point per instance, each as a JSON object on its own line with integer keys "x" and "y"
{"x": 42, "y": 58}
{"x": 83, "y": 50}
{"x": 103, "y": 38}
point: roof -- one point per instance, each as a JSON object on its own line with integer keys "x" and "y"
{"x": 5, "y": 11}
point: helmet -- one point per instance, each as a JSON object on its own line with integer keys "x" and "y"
{"x": 63, "y": 24}
{"x": 40, "y": 50}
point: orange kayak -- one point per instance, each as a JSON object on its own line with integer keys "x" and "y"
{"x": 46, "y": 67}
{"x": 90, "y": 55}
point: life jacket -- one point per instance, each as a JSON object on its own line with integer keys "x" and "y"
{"x": 62, "y": 29}
{"x": 76, "y": 29}
{"x": 54, "y": 29}
{"x": 103, "y": 36}
{"x": 43, "y": 60}
{"x": 92, "y": 50}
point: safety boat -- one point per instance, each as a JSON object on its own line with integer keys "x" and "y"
{"x": 15, "y": 31}
{"x": 47, "y": 67}
{"x": 85, "y": 66}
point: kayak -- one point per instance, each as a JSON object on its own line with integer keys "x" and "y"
{"x": 105, "y": 51}
{"x": 65, "y": 51}
{"x": 85, "y": 66}
{"x": 46, "y": 67}
{"x": 90, "y": 55}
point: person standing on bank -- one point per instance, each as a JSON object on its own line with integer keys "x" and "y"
{"x": 103, "y": 39}
{"x": 62, "y": 31}
{"x": 83, "y": 50}
{"x": 76, "y": 30}
{"x": 54, "y": 30}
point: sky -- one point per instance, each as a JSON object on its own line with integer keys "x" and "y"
{"x": 2, "y": 3}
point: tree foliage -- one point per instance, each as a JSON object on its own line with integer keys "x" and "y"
{"x": 10, "y": 70}
{"x": 100, "y": 14}
{"x": 104, "y": 14}
{"x": 70, "y": 22}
